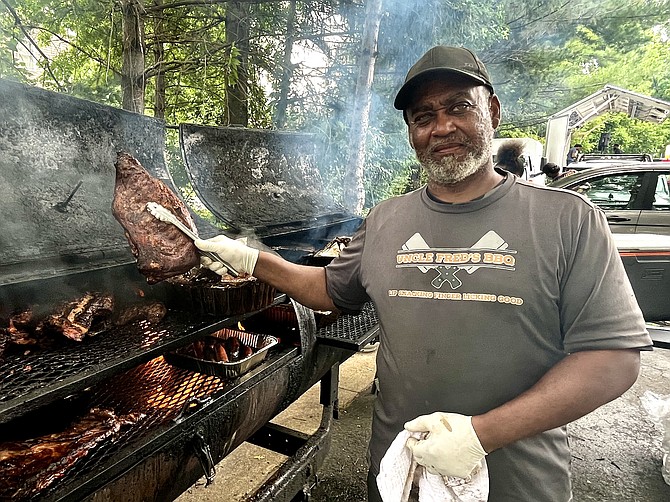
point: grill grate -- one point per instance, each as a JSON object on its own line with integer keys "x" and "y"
{"x": 351, "y": 331}
{"x": 29, "y": 381}
{"x": 159, "y": 391}
{"x": 165, "y": 395}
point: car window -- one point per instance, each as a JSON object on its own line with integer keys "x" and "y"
{"x": 612, "y": 192}
{"x": 662, "y": 194}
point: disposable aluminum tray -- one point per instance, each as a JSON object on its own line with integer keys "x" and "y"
{"x": 260, "y": 344}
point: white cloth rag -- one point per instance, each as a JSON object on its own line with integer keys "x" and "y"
{"x": 397, "y": 467}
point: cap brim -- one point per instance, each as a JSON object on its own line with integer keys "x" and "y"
{"x": 403, "y": 98}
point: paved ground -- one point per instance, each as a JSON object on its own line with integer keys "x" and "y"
{"x": 616, "y": 450}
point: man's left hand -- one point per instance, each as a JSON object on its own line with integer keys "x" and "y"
{"x": 451, "y": 447}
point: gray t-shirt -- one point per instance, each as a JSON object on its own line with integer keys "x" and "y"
{"x": 477, "y": 302}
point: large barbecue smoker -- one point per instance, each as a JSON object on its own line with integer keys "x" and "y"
{"x": 119, "y": 415}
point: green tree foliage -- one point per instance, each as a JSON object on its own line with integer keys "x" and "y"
{"x": 601, "y": 55}
{"x": 559, "y": 52}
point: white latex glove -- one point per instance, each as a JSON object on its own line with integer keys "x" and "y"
{"x": 451, "y": 447}
{"x": 240, "y": 256}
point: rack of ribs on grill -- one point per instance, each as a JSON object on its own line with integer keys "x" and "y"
{"x": 161, "y": 249}
{"x": 30, "y": 466}
{"x": 32, "y": 328}
{"x": 74, "y": 320}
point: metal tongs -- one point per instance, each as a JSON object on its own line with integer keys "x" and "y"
{"x": 162, "y": 214}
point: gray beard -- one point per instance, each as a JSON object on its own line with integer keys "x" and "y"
{"x": 451, "y": 169}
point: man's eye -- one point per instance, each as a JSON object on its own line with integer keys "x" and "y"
{"x": 423, "y": 119}
{"x": 462, "y": 107}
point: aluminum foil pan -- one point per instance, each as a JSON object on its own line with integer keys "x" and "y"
{"x": 207, "y": 355}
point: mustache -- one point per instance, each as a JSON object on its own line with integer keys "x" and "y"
{"x": 449, "y": 141}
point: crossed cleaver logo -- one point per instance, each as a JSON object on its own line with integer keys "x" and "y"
{"x": 490, "y": 242}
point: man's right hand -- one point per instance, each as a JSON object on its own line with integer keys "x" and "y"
{"x": 240, "y": 256}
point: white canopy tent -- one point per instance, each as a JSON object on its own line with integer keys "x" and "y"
{"x": 609, "y": 99}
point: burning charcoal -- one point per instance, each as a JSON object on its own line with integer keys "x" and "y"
{"x": 161, "y": 249}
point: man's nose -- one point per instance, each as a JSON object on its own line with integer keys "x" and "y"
{"x": 444, "y": 124}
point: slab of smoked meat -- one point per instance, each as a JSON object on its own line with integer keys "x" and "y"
{"x": 30, "y": 466}
{"x": 76, "y": 318}
{"x": 152, "y": 312}
{"x": 161, "y": 249}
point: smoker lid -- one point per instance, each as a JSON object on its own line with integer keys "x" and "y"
{"x": 51, "y": 144}
{"x": 254, "y": 179}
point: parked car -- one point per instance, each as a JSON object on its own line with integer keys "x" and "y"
{"x": 589, "y": 160}
{"x": 646, "y": 258}
{"x": 634, "y": 196}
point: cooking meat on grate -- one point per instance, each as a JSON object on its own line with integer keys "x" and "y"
{"x": 23, "y": 332}
{"x": 152, "y": 312}
{"x": 30, "y": 466}
{"x": 83, "y": 317}
{"x": 21, "y": 327}
{"x": 76, "y": 319}
{"x": 161, "y": 249}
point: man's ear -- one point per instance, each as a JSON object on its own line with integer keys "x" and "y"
{"x": 496, "y": 112}
{"x": 409, "y": 136}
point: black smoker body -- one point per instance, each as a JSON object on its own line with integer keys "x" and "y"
{"x": 59, "y": 239}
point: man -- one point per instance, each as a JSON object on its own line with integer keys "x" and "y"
{"x": 573, "y": 154}
{"x": 496, "y": 330}
{"x": 510, "y": 158}
{"x": 553, "y": 172}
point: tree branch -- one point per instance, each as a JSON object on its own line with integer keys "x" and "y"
{"x": 102, "y": 61}
{"x": 201, "y": 3}
{"x": 18, "y": 22}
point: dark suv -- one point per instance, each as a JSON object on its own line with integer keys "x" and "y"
{"x": 635, "y": 196}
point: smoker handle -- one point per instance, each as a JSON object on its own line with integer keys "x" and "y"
{"x": 204, "y": 454}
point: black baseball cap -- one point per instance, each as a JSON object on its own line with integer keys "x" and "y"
{"x": 442, "y": 60}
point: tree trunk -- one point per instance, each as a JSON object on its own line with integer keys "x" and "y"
{"x": 132, "y": 72}
{"x": 354, "y": 189}
{"x": 159, "y": 58}
{"x": 287, "y": 73}
{"x": 237, "y": 35}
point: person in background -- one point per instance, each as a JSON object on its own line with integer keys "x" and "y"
{"x": 617, "y": 148}
{"x": 510, "y": 158}
{"x": 552, "y": 172}
{"x": 573, "y": 154}
{"x": 495, "y": 331}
